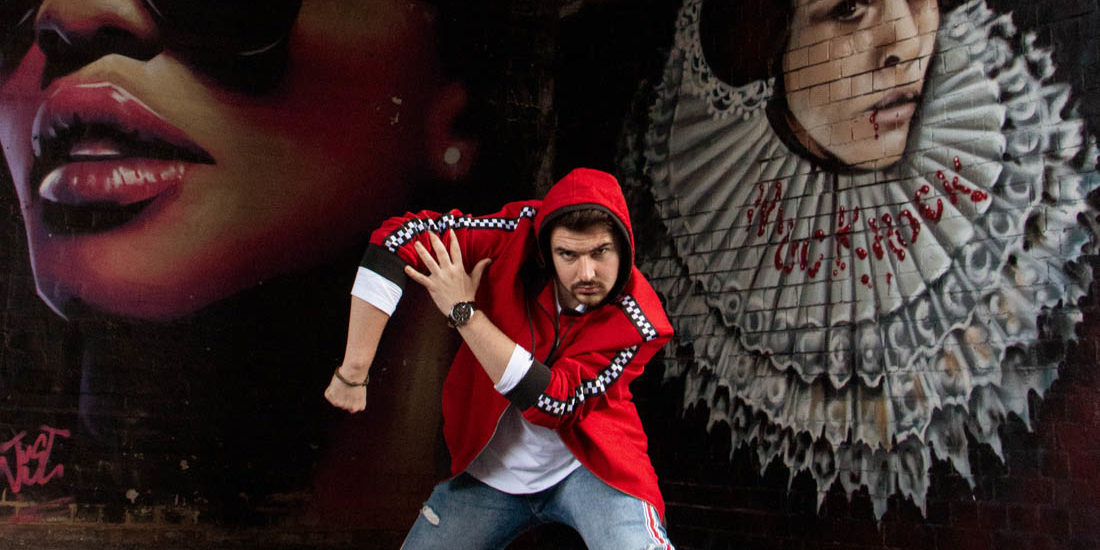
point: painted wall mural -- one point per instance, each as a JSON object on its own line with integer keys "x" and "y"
{"x": 156, "y": 170}
{"x": 197, "y": 181}
{"x": 874, "y": 221}
{"x": 877, "y": 232}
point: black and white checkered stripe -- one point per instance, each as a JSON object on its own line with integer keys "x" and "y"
{"x": 410, "y": 229}
{"x": 588, "y": 388}
{"x": 633, "y": 311}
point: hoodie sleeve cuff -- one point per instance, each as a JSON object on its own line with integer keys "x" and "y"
{"x": 530, "y": 387}
{"x": 376, "y": 290}
{"x": 385, "y": 263}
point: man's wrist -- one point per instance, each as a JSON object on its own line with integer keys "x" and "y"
{"x": 353, "y": 371}
{"x": 351, "y": 382}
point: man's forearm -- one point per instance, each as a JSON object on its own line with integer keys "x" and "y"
{"x": 490, "y": 346}
{"x": 365, "y": 326}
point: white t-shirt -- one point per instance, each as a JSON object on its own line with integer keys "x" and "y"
{"x": 521, "y": 458}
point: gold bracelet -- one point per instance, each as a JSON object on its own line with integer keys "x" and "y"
{"x": 347, "y": 382}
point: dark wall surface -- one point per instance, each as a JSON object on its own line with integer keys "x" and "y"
{"x": 872, "y": 222}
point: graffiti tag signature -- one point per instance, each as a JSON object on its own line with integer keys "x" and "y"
{"x": 31, "y": 464}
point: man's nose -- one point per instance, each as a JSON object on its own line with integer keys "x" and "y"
{"x": 587, "y": 268}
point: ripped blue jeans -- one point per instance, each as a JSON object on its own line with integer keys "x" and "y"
{"x": 465, "y": 514}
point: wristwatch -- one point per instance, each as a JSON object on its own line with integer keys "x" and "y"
{"x": 460, "y": 314}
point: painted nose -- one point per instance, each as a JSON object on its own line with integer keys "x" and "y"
{"x": 73, "y": 33}
{"x": 898, "y": 18}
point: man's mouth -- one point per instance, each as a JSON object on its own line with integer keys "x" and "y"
{"x": 102, "y": 157}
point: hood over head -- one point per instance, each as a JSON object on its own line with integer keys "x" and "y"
{"x": 580, "y": 189}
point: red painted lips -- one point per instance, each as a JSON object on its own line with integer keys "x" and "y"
{"x": 98, "y": 146}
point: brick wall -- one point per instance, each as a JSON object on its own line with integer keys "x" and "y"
{"x": 577, "y": 75}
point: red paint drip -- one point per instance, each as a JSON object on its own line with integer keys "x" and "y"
{"x": 914, "y": 226}
{"x": 926, "y": 211}
{"x": 896, "y": 250}
{"x": 954, "y": 187}
{"x": 779, "y": 260}
{"x": 769, "y": 204}
{"x": 816, "y": 267}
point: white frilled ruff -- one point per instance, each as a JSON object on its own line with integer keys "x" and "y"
{"x": 851, "y": 324}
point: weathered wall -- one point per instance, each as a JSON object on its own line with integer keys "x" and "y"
{"x": 869, "y": 221}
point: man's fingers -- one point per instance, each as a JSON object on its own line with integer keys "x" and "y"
{"x": 426, "y": 257}
{"x": 417, "y": 276}
{"x": 441, "y": 255}
{"x": 456, "y": 251}
{"x": 350, "y": 401}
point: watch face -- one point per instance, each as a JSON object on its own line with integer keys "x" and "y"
{"x": 461, "y": 313}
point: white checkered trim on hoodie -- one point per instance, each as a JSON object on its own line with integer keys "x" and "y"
{"x": 608, "y": 376}
{"x": 634, "y": 311}
{"x": 410, "y": 229}
{"x": 588, "y": 388}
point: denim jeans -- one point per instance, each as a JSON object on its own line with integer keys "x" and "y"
{"x": 465, "y": 514}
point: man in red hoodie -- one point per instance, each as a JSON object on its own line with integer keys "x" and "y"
{"x": 556, "y": 322}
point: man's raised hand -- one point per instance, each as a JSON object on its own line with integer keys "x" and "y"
{"x": 447, "y": 281}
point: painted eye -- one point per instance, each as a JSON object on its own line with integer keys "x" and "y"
{"x": 848, "y": 10}
{"x": 242, "y": 44}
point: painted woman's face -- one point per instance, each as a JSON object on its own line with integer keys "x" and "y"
{"x": 150, "y": 188}
{"x": 854, "y": 73}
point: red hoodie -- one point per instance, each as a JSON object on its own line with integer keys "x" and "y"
{"x": 583, "y": 389}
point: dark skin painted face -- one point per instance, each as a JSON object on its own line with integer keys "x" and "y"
{"x": 151, "y": 188}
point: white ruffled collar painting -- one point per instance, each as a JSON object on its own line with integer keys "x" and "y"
{"x": 850, "y": 324}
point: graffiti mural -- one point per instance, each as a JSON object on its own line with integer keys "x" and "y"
{"x": 877, "y": 230}
{"x": 197, "y": 181}
{"x": 156, "y": 174}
